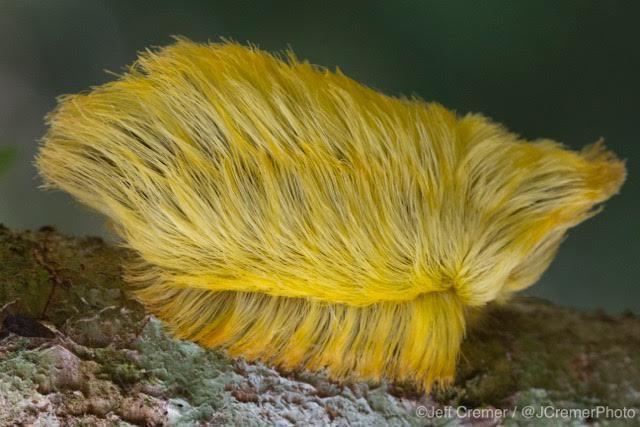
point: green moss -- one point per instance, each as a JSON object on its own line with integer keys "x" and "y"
{"x": 123, "y": 374}
{"x": 535, "y": 346}
{"x": 115, "y": 366}
{"x": 22, "y": 280}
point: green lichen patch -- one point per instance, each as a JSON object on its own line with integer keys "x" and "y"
{"x": 186, "y": 369}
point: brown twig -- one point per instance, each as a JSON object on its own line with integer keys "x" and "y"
{"x": 40, "y": 254}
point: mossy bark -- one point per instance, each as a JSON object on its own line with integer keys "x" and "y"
{"x": 76, "y": 350}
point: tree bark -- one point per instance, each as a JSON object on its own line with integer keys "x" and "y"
{"x": 76, "y": 350}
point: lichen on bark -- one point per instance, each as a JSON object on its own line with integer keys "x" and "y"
{"x": 75, "y": 349}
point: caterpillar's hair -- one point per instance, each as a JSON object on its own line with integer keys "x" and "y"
{"x": 287, "y": 213}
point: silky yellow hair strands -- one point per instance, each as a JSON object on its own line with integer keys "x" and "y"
{"x": 287, "y": 213}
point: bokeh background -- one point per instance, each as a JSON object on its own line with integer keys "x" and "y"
{"x": 566, "y": 70}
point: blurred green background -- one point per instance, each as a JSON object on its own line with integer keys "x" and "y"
{"x": 566, "y": 70}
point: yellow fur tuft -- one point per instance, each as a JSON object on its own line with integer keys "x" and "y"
{"x": 287, "y": 213}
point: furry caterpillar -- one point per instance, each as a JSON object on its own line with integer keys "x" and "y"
{"x": 287, "y": 213}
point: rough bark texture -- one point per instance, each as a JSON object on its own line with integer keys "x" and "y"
{"x": 75, "y": 350}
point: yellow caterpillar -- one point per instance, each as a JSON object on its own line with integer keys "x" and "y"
{"x": 287, "y": 213}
